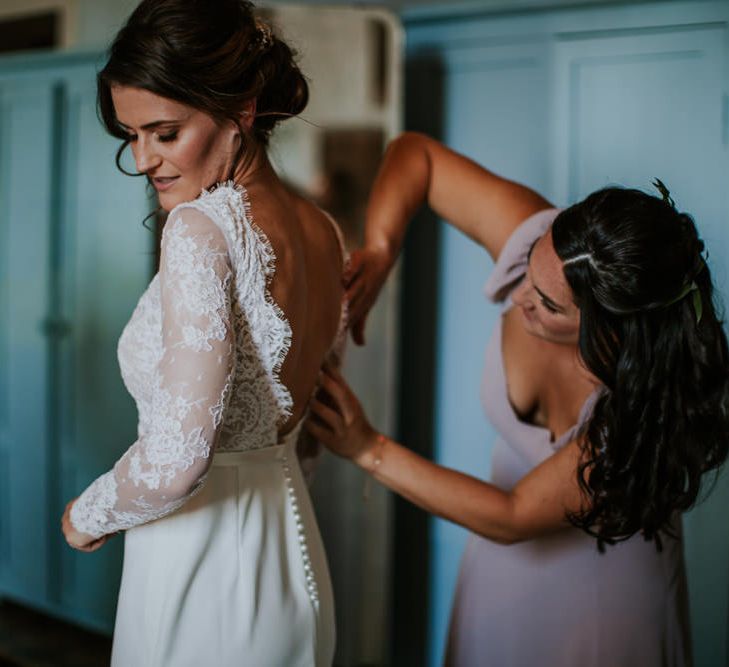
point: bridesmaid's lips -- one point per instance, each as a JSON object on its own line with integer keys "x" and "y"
{"x": 163, "y": 183}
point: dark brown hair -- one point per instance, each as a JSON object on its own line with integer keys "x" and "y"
{"x": 212, "y": 55}
{"x": 650, "y": 331}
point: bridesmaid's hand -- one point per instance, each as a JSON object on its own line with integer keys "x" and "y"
{"x": 337, "y": 419}
{"x": 77, "y": 540}
{"x": 367, "y": 272}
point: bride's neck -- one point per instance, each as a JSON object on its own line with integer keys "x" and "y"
{"x": 255, "y": 170}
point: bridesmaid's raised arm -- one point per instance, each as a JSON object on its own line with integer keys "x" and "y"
{"x": 418, "y": 170}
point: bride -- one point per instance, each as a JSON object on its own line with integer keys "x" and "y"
{"x": 223, "y": 560}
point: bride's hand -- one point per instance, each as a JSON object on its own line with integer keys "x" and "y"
{"x": 337, "y": 419}
{"x": 76, "y": 540}
{"x": 368, "y": 270}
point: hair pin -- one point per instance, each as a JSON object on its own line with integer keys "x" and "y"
{"x": 665, "y": 194}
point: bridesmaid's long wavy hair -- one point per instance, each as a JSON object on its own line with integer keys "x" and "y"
{"x": 649, "y": 331}
{"x": 211, "y": 55}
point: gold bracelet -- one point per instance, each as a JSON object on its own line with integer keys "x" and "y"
{"x": 381, "y": 440}
{"x": 376, "y": 461}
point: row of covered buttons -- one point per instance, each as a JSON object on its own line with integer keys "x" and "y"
{"x": 308, "y": 570}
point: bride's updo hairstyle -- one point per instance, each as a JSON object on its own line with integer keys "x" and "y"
{"x": 650, "y": 333}
{"x": 212, "y": 55}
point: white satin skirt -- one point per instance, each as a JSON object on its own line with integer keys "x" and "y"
{"x": 238, "y": 576}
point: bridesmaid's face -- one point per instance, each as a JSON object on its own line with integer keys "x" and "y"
{"x": 180, "y": 149}
{"x": 545, "y": 298}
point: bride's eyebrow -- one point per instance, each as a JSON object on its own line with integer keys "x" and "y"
{"x": 150, "y": 126}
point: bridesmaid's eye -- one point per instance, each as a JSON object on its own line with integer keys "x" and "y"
{"x": 171, "y": 136}
{"x": 549, "y": 307}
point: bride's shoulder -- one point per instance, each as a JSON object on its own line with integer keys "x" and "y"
{"x": 224, "y": 206}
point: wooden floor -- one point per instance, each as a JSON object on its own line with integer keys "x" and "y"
{"x": 31, "y": 639}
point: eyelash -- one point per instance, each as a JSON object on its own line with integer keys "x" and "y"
{"x": 164, "y": 138}
{"x": 549, "y": 308}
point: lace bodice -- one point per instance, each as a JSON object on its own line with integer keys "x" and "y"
{"x": 201, "y": 356}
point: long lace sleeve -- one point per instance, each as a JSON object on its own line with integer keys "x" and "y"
{"x": 176, "y": 437}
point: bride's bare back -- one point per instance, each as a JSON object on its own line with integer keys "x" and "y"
{"x": 307, "y": 284}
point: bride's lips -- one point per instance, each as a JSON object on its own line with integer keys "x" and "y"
{"x": 162, "y": 183}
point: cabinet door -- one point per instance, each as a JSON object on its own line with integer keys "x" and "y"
{"x": 74, "y": 259}
{"x": 629, "y": 108}
{"x": 26, "y": 156}
{"x": 493, "y": 114}
{"x": 107, "y": 260}
{"x": 568, "y": 101}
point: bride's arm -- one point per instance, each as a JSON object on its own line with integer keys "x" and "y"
{"x": 176, "y": 439}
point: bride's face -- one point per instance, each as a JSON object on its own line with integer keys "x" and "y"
{"x": 180, "y": 149}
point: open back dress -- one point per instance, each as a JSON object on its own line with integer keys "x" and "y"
{"x": 223, "y": 563}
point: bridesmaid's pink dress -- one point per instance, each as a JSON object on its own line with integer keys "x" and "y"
{"x": 556, "y": 601}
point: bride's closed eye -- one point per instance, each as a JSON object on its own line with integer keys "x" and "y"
{"x": 171, "y": 136}
{"x": 164, "y": 138}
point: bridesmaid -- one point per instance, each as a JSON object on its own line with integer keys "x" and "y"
{"x": 607, "y": 378}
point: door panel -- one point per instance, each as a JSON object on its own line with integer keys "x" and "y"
{"x": 27, "y": 120}
{"x": 74, "y": 258}
{"x": 559, "y": 101}
{"x": 493, "y": 98}
{"x": 630, "y": 108}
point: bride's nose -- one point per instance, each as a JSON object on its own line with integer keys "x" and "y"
{"x": 145, "y": 156}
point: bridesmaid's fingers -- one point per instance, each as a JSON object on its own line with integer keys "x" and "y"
{"x": 355, "y": 298}
{"x": 339, "y": 395}
{"x": 323, "y": 435}
{"x": 325, "y": 413}
{"x": 336, "y": 375}
{"x": 355, "y": 266}
{"x": 358, "y": 330}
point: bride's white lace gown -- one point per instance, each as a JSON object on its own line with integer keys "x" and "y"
{"x": 223, "y": 564}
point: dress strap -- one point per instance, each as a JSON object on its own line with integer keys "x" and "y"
{"x": 340, "y": 239}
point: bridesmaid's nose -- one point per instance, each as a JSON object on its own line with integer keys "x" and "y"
{"x": 520, "y": 295}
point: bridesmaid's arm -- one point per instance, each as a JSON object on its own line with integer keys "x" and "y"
{"x": 538, "y": 504}
{"x": 418, "y": 170}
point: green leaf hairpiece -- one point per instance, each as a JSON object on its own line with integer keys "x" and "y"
{"x": 693, "y": 289}
{"x": 665, "y": 194}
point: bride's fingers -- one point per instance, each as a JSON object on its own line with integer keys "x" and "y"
{"x": 96, "y": 544}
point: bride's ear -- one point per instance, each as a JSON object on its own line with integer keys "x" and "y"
{"x": 248, "y": 114}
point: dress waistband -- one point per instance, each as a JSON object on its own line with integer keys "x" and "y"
{"x": 253, "y": 456}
